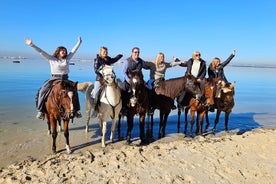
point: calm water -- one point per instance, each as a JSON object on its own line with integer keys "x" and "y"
{"x": 255, "y": 101}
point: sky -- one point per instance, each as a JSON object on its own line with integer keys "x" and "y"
{"x": 174, "y": 27}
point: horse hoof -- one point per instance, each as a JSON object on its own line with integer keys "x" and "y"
{"x": 68, "y": 149}
{"x": 128, "y": 142}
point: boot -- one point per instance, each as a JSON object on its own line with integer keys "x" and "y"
{"x": 40, "y": 115}
{"x": 78, "y": 115}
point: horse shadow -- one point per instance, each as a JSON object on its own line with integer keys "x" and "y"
{"x": 239, "y": 123}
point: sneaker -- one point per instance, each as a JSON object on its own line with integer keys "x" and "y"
{"x": 39, "y": 115}
{"x": 173, "y": 107}
{"x": 78, "y": 115}
{"x": 94, "y": 114}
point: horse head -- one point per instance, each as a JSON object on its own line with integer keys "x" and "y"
{"x": 108, "y": 74}
{"x": 65, "y": 98}
{"x": 136, "y": 85}
{"x": 210, "y": 88}
{"x": 190, "y": 85}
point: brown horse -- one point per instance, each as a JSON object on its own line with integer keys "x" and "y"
{"x": 60, "y": 105}
{"x": 137, "y": 103}
{"x": 200, "y": 106}
{"x": 223, "y": 104}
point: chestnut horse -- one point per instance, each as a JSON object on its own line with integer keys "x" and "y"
{"x": 223, "y": 104}
{"x": 200, "y": 106}
{"x": 60, "y": 105}
{"x": 137, "y": 103}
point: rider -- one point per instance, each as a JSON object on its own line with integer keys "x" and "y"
{"x": 157, "y": 73}
{"x": 197, "y": 68}
{"x": 100, "y": 61}
{"x": 59, "y": 64}
{"x": 132, "y": 63}
{"x": 215, "y": 69}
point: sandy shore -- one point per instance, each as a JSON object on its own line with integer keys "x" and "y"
{"x": 224, "y": 158}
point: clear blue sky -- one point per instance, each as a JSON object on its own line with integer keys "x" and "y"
{"x": 175, "y": 27}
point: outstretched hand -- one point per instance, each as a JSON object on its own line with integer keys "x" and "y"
{"x": 79, "y": 39}
{"x": 234, "y": 52}
{"x": 28, "y": 41}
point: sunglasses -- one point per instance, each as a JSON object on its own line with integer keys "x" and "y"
{"x": 196, "y": 55}
{"x": 136, "y": 52}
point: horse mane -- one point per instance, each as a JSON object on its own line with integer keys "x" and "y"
{"x": 171, "y": 87}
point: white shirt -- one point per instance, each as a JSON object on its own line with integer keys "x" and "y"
{"x": 195, "y": 68}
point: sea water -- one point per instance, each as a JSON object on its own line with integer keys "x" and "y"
{"x": 255, "y": 101}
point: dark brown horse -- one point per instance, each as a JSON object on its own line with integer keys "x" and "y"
{"x": 60, "y": 105}
{"x": 200, "y": 106}
{"x": 223, "y": 104}
{"x": 136, "y": 103}
{"x": 164, "y": 104}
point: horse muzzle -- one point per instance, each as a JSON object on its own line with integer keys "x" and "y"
{"x": 133, "y": 101}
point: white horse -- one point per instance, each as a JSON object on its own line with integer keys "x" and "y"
{"x": 110, "y": 102}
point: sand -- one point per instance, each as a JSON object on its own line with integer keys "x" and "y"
{"x": 221, "y": 158}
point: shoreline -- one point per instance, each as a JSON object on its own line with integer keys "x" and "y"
{"x": 222, "y": 158}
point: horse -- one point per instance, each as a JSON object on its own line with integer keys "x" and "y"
{"x": 164, "y": 104}
{"x": 60, "y": 106}
{"x": 137, "y": 103}
{"x": 224, "y": 104}
{"x": 87, "y": 88}
{"x": 110, "y": 102}
{"x": 200, "y": 106}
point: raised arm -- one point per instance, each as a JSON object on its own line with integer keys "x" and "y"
{"x": 29, "y": 42}
{"x": 74, "y": 50}
{"x": 227, "y": 61}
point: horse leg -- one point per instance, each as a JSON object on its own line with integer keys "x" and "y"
{"x": 201, "y": 117}
{"x": 129, "y": 128}
{"x": 113, "y": 126}
{"x": 49, "y": 127}
{"x": 103, "y": 127}
{"x": 178, "y": 119}
{"x": 119, "y": 126}
{"x": 165, "y": 119}
{"x": 207, "y": 121}
{"x": 216, "y": 120}
{"x": 54, "y": 136}
{"x": 151, "y": 127}
{"x": 142, "y": 127}
{"x": 66, "y": 135}
{"x": 227, "y": 113}
{"x": 192, "y": 121}
{"x": 88, "y": 112}
{"x": 161, "y": 125}
{"x": 186, "y": 120}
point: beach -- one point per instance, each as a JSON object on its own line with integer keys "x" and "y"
{"x": 223, "y": 158}
{"x": 244, "y": 155}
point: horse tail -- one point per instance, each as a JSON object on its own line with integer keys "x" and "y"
{"x": 83, "y": 86}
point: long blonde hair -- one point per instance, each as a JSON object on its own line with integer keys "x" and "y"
{"x": 215, "y": 62}
{"x": 159, "y": 59}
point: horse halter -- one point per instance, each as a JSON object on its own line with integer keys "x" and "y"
{"x": 62, "y": 95}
